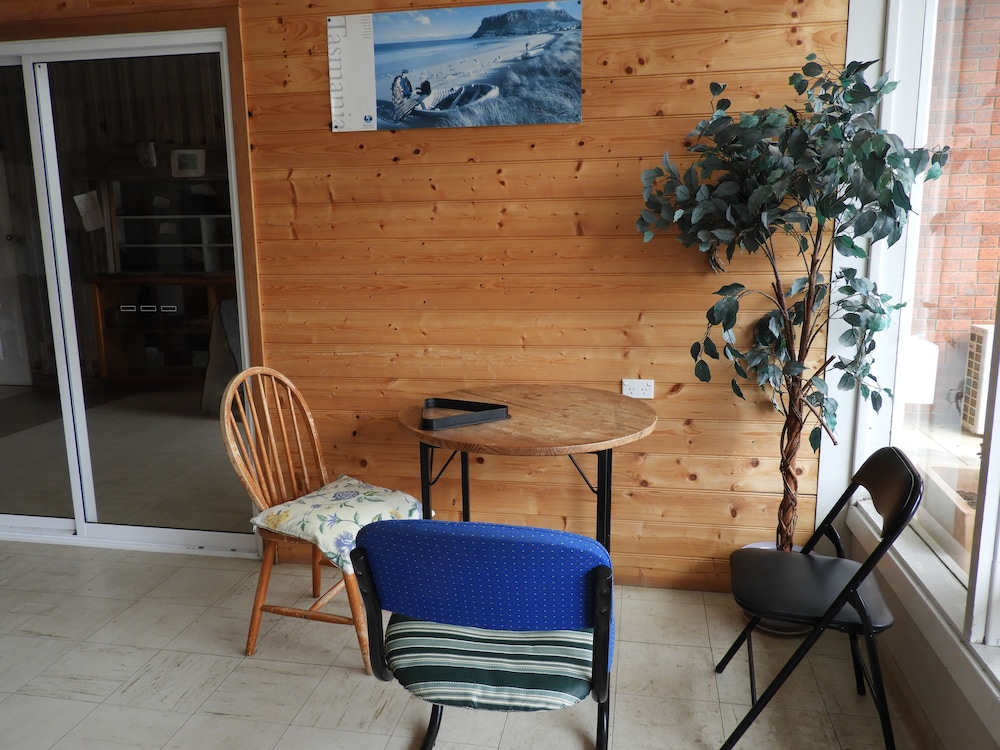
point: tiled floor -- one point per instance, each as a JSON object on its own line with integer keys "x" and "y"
{"x": 115, "y": 649}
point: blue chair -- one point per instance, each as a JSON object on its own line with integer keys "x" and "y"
{"x": 488, "y": 616}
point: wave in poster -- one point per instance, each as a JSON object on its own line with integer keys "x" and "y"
{"x": 511, "y": 64}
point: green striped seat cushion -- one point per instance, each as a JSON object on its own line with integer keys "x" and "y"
{"x": 496, "y": 670}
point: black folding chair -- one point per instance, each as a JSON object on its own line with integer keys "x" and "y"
{"x": 827, "y": 593}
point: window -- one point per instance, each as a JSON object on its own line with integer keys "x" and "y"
{"x": 945, "y": 369}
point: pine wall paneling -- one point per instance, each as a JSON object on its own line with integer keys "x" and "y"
{"x": 399, "y": 265}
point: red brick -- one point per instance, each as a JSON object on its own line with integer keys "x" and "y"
{"x": 986, "y": 193}
{"x": 952, "y": 325}
{"x": 956, "y": 277}
{"x": 981, "y": 267}
{"x": 962, "y": 229}
{"x": 958, "y": 253}
{"x": 972, "y": 206}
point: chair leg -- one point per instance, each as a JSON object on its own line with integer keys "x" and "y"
{"x": 430, "y": 737}
{"x": 317, "y": 571}
{"x": 745, "y": 635}
{"x": 878, "y": 693}
{"x": 263, "y": 580}
{"x": 603, "y": 710}
{"x": 359, "y": 617}
{"x": 859, "y": 667}
{"x": 734, "y": 649}
{"x": 761, "y": 703}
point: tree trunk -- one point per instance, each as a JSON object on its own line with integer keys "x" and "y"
{"x": 791, "y": 438}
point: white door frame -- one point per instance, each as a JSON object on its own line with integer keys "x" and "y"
{"x": 33, "y": 57}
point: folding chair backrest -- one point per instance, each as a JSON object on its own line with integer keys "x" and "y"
{"x": 271, "y": 437}
{"x": 456, "y": 572}
{"x": 895, "y": 487}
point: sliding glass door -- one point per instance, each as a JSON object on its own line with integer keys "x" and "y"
{"x": 33, "y": 451}
{"x": 131, "y": 143}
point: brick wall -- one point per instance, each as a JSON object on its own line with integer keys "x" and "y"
{"x": 956, "y": 283}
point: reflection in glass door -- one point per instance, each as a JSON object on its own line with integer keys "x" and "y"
{"x": 946, "y": 358}
{"x": 33, "y": 456}
{"x": 146, "y": 212}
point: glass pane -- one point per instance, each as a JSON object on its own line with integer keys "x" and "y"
{"x": 32, "y": 444}
{"x": 945, "y": 366}
{"x": 144, "y": 175}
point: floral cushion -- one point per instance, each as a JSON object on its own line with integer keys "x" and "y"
{"x": 331, "y": 516}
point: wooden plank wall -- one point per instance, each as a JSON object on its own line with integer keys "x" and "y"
{"x": 399, "y": 265}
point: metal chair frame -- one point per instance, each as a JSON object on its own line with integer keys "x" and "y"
{"x": 838, "y": 595}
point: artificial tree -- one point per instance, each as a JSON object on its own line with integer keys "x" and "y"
{"x": 806, "y": 179}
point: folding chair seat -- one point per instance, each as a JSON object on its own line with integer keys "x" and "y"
{"x": 824, "y": 592}
{"x": 488, "y": 616}
{"x": 274, "y": 447}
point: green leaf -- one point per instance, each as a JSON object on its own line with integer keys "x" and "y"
{"x": 716, "y": 88}
{"x": 797, "y": 286}
{"x": 702, "y": 372}
{"x": 650, "y": 176}
{"x": 849, "y": 338}
{"x": 793, "y": 368}
{"x": 731, "y": 290}
{"x": 736, "y": 389}
{"x": 695, "y": 351}
{"x": 812, "y": 69}
{"x": 710, "y": 348}
{"x": 815, "y": 438}
{"x": 724, "y": 312}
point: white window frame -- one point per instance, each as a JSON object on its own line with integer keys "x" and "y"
{"x": 907, "y": 51}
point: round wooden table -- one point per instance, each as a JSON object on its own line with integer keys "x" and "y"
{"x": 544, "y": 420}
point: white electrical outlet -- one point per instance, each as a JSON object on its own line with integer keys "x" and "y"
{"x": 637, "y": 388}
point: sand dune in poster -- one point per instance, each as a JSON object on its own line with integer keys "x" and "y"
{"x": 532, "y": 78}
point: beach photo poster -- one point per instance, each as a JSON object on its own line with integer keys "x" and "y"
{"x": 507, "y": 64}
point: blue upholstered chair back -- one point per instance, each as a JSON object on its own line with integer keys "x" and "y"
{"x": 484, "y": 575}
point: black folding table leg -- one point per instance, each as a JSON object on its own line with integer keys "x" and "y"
{"x": 604, "y": 498}
{"x": 466, "y": 514}
{"x": 426, "y": 472}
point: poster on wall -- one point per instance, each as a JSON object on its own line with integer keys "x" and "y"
{"x": 510, "y": 64}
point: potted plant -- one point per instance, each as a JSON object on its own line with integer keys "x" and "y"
{"x": 795, "y": 184}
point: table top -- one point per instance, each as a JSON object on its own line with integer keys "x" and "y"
{"x": 545, "y": 420}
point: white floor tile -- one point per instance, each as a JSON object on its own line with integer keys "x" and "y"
{"x": 203, "y": 732}
{"x": 148, "y": 623}
{"x": 665, "y": 671}
{"x": 174, "y": 681}
{"x": 270, "y": 691}
{"x": 350, "y": 700}
{"x": 29, "y": 722}
{"x": 652, "y": 723}
{"x": 91, "y": 671}
{"x": 122, "y": 728}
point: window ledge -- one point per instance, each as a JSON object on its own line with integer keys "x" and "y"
{"x": 935, "y": 602}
